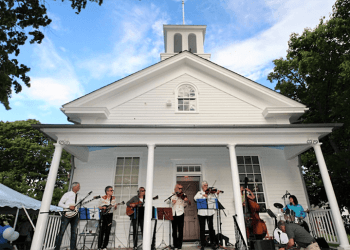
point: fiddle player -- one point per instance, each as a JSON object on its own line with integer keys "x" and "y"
{"x": 297, "y": 234}
{"x": 206, "y": 215}
{"x": 137, "y": 221}
{"x": 107, "y": 217}
{"x": 178, "y": 201}
{"x": 298, "y": 210}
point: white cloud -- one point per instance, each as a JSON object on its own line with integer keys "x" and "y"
{"x": 134, "y": 50}
{"x": 251, "y": 56}
{"x": 53, "y": 81}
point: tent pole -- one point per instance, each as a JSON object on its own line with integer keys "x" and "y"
{"x": 14, "y": 226}
{"x": 31, "y": 222}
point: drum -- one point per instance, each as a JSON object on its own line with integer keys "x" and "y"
{"x": 280, "y": 237}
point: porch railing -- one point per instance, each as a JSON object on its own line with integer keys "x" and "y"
{"x": 53, "y": 226}
{"x": 322, "y": 225}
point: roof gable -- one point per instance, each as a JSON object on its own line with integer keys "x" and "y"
{"x": 98, "y": 104}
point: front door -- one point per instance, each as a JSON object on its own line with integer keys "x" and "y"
{"x": 191, "y": 225}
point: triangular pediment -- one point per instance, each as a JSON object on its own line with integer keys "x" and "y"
{"x": 220, "y": 91}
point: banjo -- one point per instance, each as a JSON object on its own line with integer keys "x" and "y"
{"x": 71, "y": 213}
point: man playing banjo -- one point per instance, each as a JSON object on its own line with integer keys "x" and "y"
{"x": 68, "y": 201}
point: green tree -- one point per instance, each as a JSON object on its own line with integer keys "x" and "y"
{"x": 316, "y": 72}
{"x": 18, "y": 20}
{"x": 25, "y": 159}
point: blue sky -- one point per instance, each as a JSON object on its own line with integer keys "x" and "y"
{"x": 81, "y": 53}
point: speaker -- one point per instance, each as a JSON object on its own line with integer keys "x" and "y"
{"x": 264, "y": 245}
{"x": 322, "y": 242}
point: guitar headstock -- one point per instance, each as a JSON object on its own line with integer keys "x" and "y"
{"x": 97, "y": 197}
{"x": 155, "y": 197}
{"x": 122, "y": 203}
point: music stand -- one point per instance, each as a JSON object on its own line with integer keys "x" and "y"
{"x": 272, "y": 215}
{"x": 164, "y": 213}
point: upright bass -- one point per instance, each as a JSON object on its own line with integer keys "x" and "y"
{"x": 255, "y": 224}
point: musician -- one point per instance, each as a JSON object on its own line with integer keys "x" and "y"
{"x": 298, "y": 209}
{"x": 297, "y": 234}
{"x": 178, "y": 207}
{"x": 206, "y": 215}
{"x": 250, "y": 194}
{"x": 137, "y": 221}
{"x": 68, "y": 201}
{"x": 106, "y": 217}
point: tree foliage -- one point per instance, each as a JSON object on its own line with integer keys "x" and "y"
{"x": 25, "y": 160}
{"x": 316, "y": 72}
{"x": 18, "y": 20}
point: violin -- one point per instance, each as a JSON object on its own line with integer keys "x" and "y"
{"x": 212, "y": 190}
{"x": 182, "y": 195}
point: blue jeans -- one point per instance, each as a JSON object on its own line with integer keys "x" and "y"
{"x": 73, "y": 225}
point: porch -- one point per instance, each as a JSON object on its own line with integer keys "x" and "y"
{"x": 295, "y": 139}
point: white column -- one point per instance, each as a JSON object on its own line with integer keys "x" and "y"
{"x": 236, "y": 190}
{"x": 41, "y": 224}
{"x": 344, "y": 242}
{"x": 147, "y": 226}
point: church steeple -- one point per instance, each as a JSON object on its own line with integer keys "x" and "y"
{"x": 178, "y": 38}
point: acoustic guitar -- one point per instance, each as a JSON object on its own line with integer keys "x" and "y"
{"x": 130, "y": 210}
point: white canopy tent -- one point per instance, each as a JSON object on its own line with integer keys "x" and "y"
{"x": 13, "y": 202}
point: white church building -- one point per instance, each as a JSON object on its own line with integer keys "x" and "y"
{"x": 186, "y": 119}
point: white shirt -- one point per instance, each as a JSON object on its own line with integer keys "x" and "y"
{"x": 211, "y": 204}
{"x": 179, "y": 206}
{"x": 68, "y": 199}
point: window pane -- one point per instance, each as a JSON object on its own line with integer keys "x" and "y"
{"x": 126, "y": 180}
{"x": 181, "y": 101}
{"x": 134, "y": 179}
{"x": 250, "y": 177}
{"x": 120, "y": 161}
{"x": 119, "y": 171}
{"x": 191, "y": 168}
{"x": 127, "y": 170}
{"x": 259, "y": 188}
{"x": 198, "y": 168}
{"x": 260, "y": 197}
{"x": 185, "y": 169}
{"x": 258, "y": 178}
{"x": 133, "y": 191}
{"x": 256, "y": 168}
{"x": 186, "y": 108}
{"x": 136, "y": 161}
{"x": 241, "y": 178}
{"x": 179, "y": 169}
{"x": 249, "y": 168}
{"x": 128, "y": 160}
{"x": 240, "y": 160}
{"x": 180, "y": 108}
{"x": 135, "y": 170}
{"x": 255, "y": 159}
{"x": 247, "y": 160}
{"x": 241, "y": 169}
{"x": 118, "y": 179}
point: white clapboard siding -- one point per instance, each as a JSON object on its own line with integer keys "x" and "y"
{"x": 214, "y": 107}
{"x": 278, "y": 174}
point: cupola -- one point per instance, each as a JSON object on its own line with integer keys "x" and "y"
{"x": 178, "y": 38}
